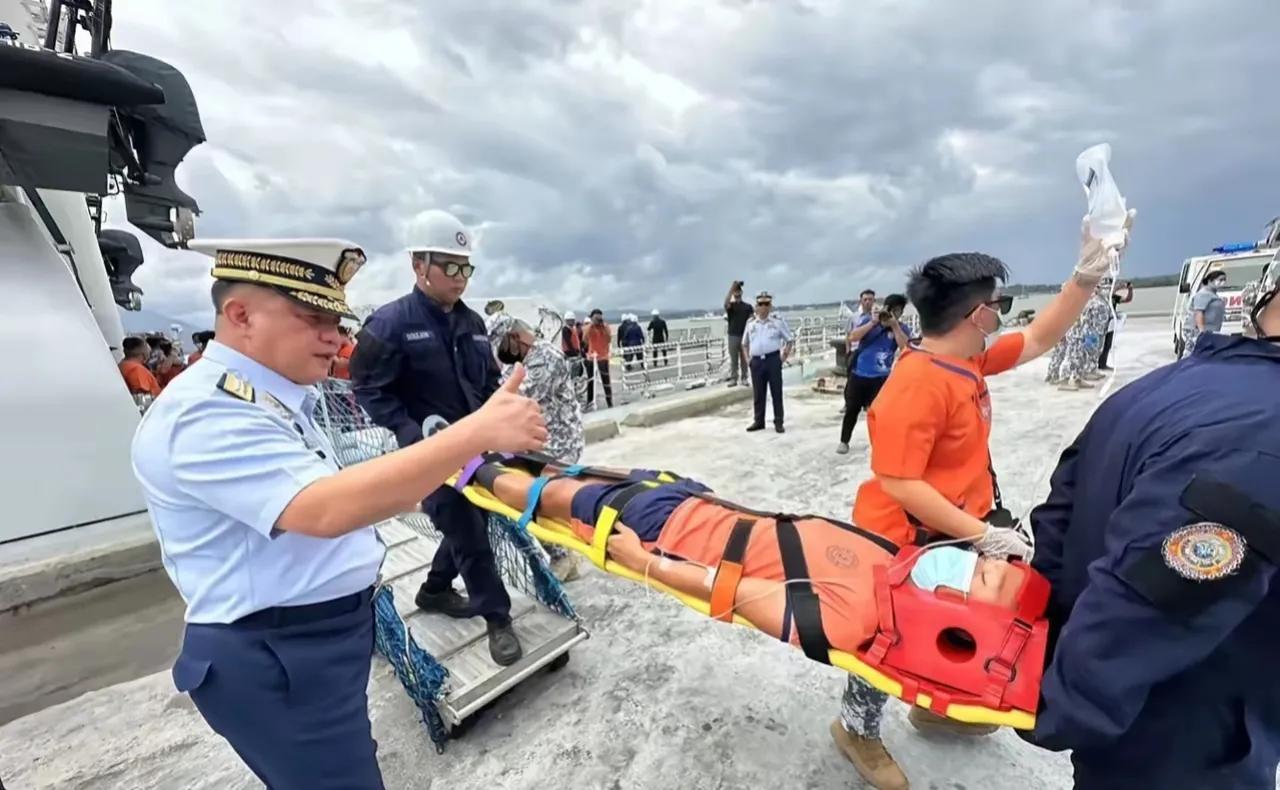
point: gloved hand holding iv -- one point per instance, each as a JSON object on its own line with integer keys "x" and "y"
{"x": 1105, "y": 229}
{"x": 1004, "y": 542}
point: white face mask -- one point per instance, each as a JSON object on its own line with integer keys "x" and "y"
{"x": 989, "y": 338}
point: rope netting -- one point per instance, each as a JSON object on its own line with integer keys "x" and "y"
{"x": 522, "y": 562}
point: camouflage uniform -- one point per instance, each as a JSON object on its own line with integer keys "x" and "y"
{"x": 911, "y": 326}
{"x": 549, "y": 381}
{"x": 1096, "y": 316}
{"x": 1074, "y": 355}
{"x": 1056, "y": 359}
{"x": 1190, "y": 332}
{"x": 862, "y": 708}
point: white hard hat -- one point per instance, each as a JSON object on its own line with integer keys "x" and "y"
{"x": 654, "y": 311}
{"x": 569, "y": 316}
{"x": 438, "y": 231}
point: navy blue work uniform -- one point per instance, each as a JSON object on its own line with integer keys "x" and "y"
{"x": 279, "y": 633}
{"x": 1160, "y": 537}
{"x": 413, "y": 360}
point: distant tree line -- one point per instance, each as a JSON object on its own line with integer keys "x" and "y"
{"x": 1155, "y": 281}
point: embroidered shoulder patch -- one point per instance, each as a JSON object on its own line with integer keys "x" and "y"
{"x": 236, "y": 387}
{"x": 1204, "y": 552}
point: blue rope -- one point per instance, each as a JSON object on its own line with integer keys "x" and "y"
{"x": 421, "y": 675}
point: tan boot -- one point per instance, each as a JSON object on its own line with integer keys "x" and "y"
{"x": 930, "y": 723}
{"x": 872, "y": 761}
{"x": 565, "y": 568}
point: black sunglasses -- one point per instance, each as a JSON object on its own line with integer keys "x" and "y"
{"x": 453, "y": 269}
{"x": 764, "y": 304}
{"x": 1002, "y": 305}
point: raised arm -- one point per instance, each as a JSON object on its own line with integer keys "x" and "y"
{"x": 383, "y": 487}
{"x": 859, "y": 332}
{"x": 1052, "y": 323}
{"x": 899, "y": 335}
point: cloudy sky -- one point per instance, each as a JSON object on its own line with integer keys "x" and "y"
{"x": 646, "y": 152}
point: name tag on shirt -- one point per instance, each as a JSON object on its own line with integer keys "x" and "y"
{"x": 425, "y": 334}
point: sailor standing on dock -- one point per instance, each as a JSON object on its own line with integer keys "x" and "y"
{"x": 768, "y": 342}
{"x": 266, "y": 539}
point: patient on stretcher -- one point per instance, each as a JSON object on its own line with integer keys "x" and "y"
{"x": 679, "y": 534}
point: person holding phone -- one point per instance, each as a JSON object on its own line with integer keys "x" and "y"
{"x": 877, "y": 345}
{"x": 736, "y": 313}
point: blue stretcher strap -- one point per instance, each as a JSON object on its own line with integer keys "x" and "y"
{"x": 573, "y": 470}
{"x": 531, "y": 504}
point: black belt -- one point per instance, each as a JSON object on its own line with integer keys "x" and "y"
{"x": 282, "y": 616}
{"x": 765, "y": 356}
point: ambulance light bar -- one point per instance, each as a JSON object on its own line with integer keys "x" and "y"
{"x": 1242, "y": 246}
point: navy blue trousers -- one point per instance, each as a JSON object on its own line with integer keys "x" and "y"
{"x": 466, "y": 551}
{"x": 766, "y": 371}
{"x": 288, "y": 692}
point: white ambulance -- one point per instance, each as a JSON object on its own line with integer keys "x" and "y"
{"x": 1242, "y": 263}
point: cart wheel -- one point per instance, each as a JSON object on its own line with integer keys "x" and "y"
{"x": 559, "y": 662}
{"x": 463, "y": 727}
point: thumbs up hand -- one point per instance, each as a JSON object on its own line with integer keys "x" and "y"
{"x": 513, "y": 382}
{"x": 508, "y": 421}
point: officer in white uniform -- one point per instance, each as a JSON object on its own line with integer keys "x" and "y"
{"x": 768, "y": 342}
{"x": 266, "y": 539}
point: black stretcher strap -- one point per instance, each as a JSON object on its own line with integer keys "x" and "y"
{"x": 995, "y": 484}
{"x": 879, "y": 540}
{"x": 804, "y": 602}
{"x": 735, "y": 548}
{"x": 488, "y": 473}
{"x": 619, "y": 499}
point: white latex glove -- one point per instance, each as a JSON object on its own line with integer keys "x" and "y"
{"x": 1004, "y": 542}
{"x": 1097, "y": 260}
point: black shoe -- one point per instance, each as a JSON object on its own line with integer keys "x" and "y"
{"x": 1107, "y": 368}
{"x": 757, "y": 426}
{"x": 779, "y": 429}
{"x": 504, "y": 646}
{"x": 448, "y": 603}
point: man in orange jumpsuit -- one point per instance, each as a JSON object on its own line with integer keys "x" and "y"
{"x": 137, "y": 376}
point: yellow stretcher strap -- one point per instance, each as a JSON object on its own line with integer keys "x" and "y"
{"x": 560, "y": 533}
{"x": 608, "y": 519}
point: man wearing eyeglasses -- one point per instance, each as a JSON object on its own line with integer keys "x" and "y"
{"x": 768, "y": 342}
{"x": 427, "y": 353}
{"x": 933, "y": 479}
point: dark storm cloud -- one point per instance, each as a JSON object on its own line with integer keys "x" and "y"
{"x": 623, "y": 152}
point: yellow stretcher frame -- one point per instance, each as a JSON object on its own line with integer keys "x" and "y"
{"x": 561, "y": 534}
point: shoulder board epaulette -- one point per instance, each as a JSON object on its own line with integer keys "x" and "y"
{"x": 236, "y": 387}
